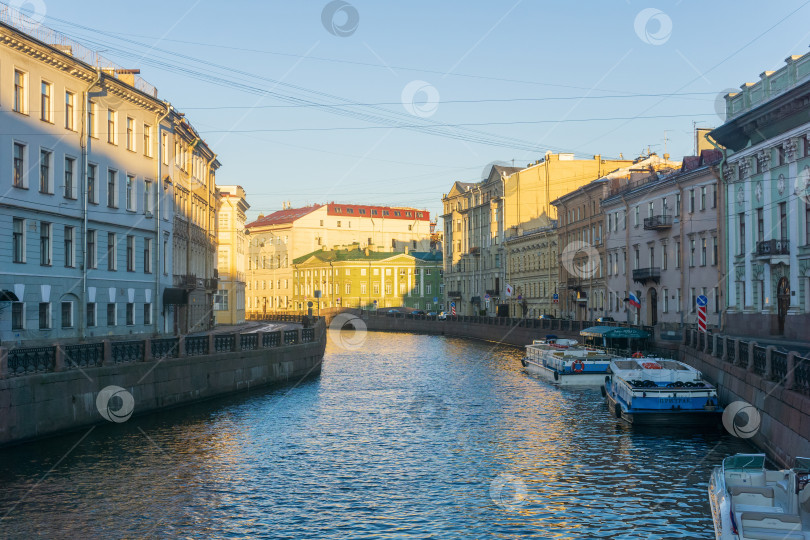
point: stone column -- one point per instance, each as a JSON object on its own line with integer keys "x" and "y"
{"x": 147, "y": 350}
{"x": 715, "y": 339}
{"x": 107, "y": 361}
{"x": 3, "y": 363}
{"x": 790, "y": 378}
{"x": 181, "y": 347}
{"x": 724, "y": 356}
{"x": 706, "y": 338}
{"x": 211, "y": 344}
{"x": 766, "y": 372}
{"x": 259, "y": 340}
{"x": 237, "y": 342}
{"x": 736, "y": 346}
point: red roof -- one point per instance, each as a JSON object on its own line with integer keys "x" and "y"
{"x": 387, "y": 212}
{"x": 283, "y": 216}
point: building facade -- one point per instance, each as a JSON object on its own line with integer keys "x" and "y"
{"x": 283, "y": 236}
{"x": 478, "y": 217}
{"x": 366, "y": 279}
{"x": 766, "y": 174}
{"x": 229, "y": 303}
{"x": 664, "y": 244}
{"x": 89, "y": 193}
{"x": 533, "y": 272}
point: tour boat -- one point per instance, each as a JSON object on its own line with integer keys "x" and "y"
{"x": 658, "y": 391}
{"x": 564, "y": 362}
{"x": 749, "y": 501}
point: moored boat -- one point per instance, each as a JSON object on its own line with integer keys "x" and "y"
{"x": 657, "y": 391}
{"x": 751, "y": 502}
{"x": 564, "y": 362}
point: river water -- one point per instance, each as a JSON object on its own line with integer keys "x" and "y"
{"x": 409, "y": 436}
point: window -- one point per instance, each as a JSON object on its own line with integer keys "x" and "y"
{"x": 44, "y": 315}
{"x": 17, "y": 316}
{"x": 91, "y": 120}
{"x": 428, "y": 288}
{"x": 783, "y": 224}
{"x": 166, "y": 254}
{"x": 650, "y": 208}
{"x": 635, "y": 259}
{"x": 44, "y": 243}
{"x": 92, "y": 195}
{"x": 112, "y": 127}
{"x": 714, "y": 195}
{"x": 91, "y": 314}
{"x": 147, "y": 197}
{"x": 70, "y": 185}
{"x": 70, "y": 111}
{"x": 164, "y": 143}
{"x": 760, "y": 225}
{"x": 717, "y": 299}
{"x": 664, "y": 257}
{"x": 45, "y": 171}
{"x": 112, "y": 315}
{"x": 677, "y": 204}
{"x": 112, "y": 189}
{"x": 691, "y": 200}
{"x": 147, "y": 140}
{"x": 130, "y": 314}
{"x": 363, "y": 288}
{"x": 703, "y": 198}
{"x": 678, "y": 254}
{"x": 67, "y": 314}
{"x": 703, "y": 251}
{"x": 221, "y": 300}
{"x": 147, "y": 314}
{"x": 665, "y": 305}
{"x": 19, "y": 165}
{"x": 348, "y": 288}
{"x": 130, "y": 253}
{"x": 691, "y": 252}
{"x": 741, "y": 220}
{"x": 111, "y": 251}
{"x": 130, "y": 193}
{"x": 69, "y": 251}
{"x": 91, "y": 248}
{"x": 18, "y": 240}
{"x": 147, "y": 256}
{"x": 635, "y": 213}
{"x": 46, "y": 115}
{"x": 714, "y": 251}
{"x": 130, "y": 134}
{"x": 680, "y": 300}
{"x": 388, "y": 288}
{"x": 20, "y": 94}
{"x": 692, "y": 300}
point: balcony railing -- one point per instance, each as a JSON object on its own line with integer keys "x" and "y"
{"x": 454, "y": 294}
{"x": 492, "y": 292}
{"x": 773, "y": 247}
{"x": 475, "y": 251}
{"x": 642, "y": 275}
{"x": 657, "y": 222}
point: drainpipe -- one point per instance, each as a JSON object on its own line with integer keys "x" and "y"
{"x": 721, "y": 211}
{"x": 84, "y": 141}
{"x": 159, "y": 118}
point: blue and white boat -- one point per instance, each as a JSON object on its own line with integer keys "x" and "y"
{"x": 566, "y": 363}
{"x": 749, "y": 501}
{"x": 657, "y": 391}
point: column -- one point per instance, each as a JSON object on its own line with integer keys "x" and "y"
{"x": 395, "y": 292}
{"x": 731, "y": 249}
{"x": 748, "y": 206}
{"x": 421, "y": 282}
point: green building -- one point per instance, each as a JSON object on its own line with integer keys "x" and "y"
{"x": 363, "y": 278}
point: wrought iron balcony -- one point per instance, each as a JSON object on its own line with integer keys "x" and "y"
{"x": 212, "y": 284}
{"x": 574, "y": 283}
{"x": 643, "y": 275}
{"x": 475, "y": 251}
{"x": 188, "y": 281}
{"x": 767, "y": 248}
{"x": 655, "y": 223}
{"x": 454, "y": 294}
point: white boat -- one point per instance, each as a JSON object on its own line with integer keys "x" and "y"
{"x": 564, "y": 362}
{"x": 750, "y": 502}
{"x": 659, "y": 391}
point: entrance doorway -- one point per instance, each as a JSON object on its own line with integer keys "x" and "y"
{"x": 782, "y": 302}
{"x": 652, "y": 307}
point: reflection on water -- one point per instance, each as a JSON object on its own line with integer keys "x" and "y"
{"x": 419, "y": 436}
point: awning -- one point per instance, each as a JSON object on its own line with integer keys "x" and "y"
{"x": 8, "y": 296}
{"x": 614, "y": 332}
{"x": 173, "y": 295}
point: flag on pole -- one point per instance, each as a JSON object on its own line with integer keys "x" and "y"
{"x": 634, "y": 301}
{"x": 508, "y": 290}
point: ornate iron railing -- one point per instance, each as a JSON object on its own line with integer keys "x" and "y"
{"x": 732, "y": 353}
{"x": 742, "y": 357}
{"x": 224, "y": 342}
{"x": 196, "y": 345}
{"x": 122, "y": 352}
{"x": 801, "y": 375}
{"x": 165, "y": 348}
{"x": 84, "y": 355}
{"x": 290, "y": 337}
{"x": 248, "y": 342}
{"x": 307, "y": 335}
{"x": 701, "y": 340}
{"x": 778, "y": 366}
{"x": 710, "y": 343}
{"x": 721, "y": 342}
{"x": 31, "y": 360}
{"x": 759, "y": 360}
{"x": 271, "y": 339}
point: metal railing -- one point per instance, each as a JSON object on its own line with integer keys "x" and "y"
{"x": 165, "y": 348}
{"x": 773, "y": 247}
{"x": 778, "y": 366}
{"x": 290, "y": 337}
{"x": 84, "y": 355}
{"x": 248, "y": 342}
{"x": 30, "y": 361}
{"x": 759, "y": 360}
{"x": 271, "y": 339}
{"x": 196, "y": 345}
{"x": 122, "y": 352}
{"x": 801, "y": 375}
{"x": 224, "y": 342}
{"x": 742, "y": 356}
{"x": 657, "y": 222}
{"x": 307, "y": 335}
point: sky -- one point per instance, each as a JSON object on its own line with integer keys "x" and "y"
{"x": 380, "y": 102}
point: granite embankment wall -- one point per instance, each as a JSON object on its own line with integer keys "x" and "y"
{"x": 776, "y": 383}
{"x": 65, "y": 398}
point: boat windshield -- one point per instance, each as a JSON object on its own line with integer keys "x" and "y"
{"x": 802, "y": 465}
{"x": 745, "y": 462}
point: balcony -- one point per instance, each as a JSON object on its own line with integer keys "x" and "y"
{"x": 574, "y": 283}
{"x": 475, "y": 251}
{"x": 656, "y": 223}
{"x": 768, "y": 248}
{"x": 188, "y": 281}
{"x": 492, "y": 292}
{"x": 212, "y": 284}
{"x": 643, "y": 275}
{"x": 454, "y": 294}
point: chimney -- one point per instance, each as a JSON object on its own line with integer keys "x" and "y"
{"x": 406, "y": 250}
{"x": 366, "y": 252}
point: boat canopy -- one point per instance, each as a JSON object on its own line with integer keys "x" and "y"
{"x": 614, "y": 332}
{"x": 745, "y": 462}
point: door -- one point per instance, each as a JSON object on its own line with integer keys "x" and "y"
{"x": 652, "y": 307}
{"x": 783, "y": 302}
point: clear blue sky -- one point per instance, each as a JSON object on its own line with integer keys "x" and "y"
{"x": 471, "y": 53}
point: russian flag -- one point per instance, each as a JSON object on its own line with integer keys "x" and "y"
{"x": 634, "y": 301}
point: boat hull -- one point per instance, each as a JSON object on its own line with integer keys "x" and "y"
{"x": 565, "y": 379}
{"x": 653, "y": 417}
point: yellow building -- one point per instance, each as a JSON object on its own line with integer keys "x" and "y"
{"x": 279, "y": 238}
{"x": 533, "y": 272}
{"x": 363, "y": 278}
{"x": 478, "y": 218}
{"x": 229, "y": 303}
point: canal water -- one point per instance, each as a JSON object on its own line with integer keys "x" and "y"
{"x": 407, "y": 436}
